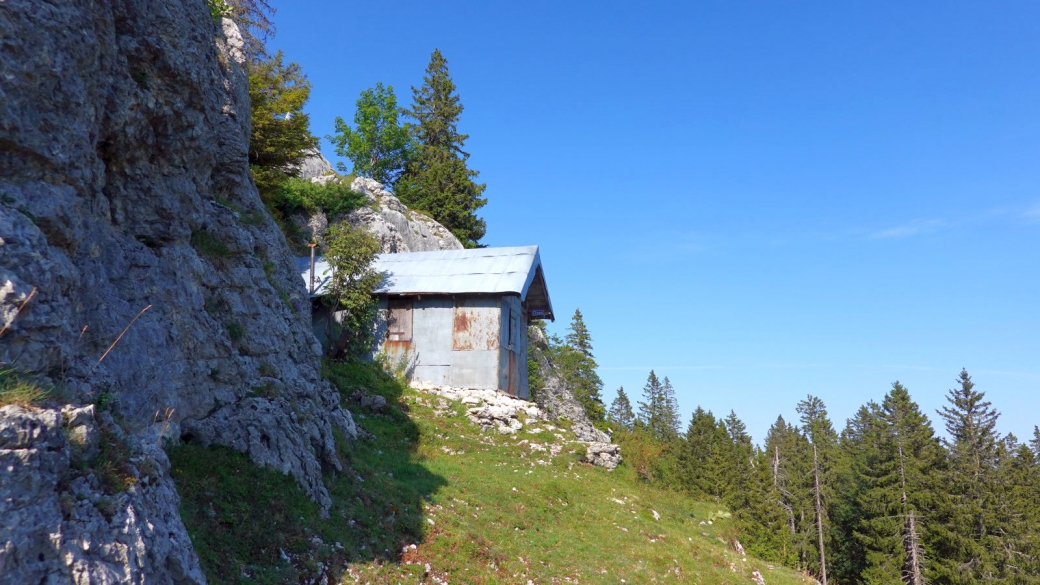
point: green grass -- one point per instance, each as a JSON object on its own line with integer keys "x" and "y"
{"x": 209, "y": 245}
{"x": 19, "y": 390}
{"x": 480, "y": 508}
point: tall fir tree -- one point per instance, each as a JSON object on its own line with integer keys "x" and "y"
{"x": 703, "y": 458}
{"x": 966, "y": 549}
{"x": 620, "y": 414}
{"x": 899, "y": 474}
{"x": 379, "y": 146}
{"x": 788, "y": 459}
{"x": 436, "y": 180}
{"x": 823, "y": 440}
{"x": 658, "y": 411}
{"x": 577, "y": 365}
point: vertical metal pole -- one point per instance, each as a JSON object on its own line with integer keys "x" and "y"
{"x": 312, "y": 247}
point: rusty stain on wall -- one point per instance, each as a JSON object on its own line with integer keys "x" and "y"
{"x": 397, "y": 351}
{"x": 475, "y": 327}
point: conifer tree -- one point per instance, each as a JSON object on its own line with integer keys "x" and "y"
{"x": 578, "y": 366}
{"x": 704, "y": 455}
{"x": 658, "y": 411}
{"x": 379, "y": 146}
{"x": 969, "y": 508}
{"x": 620, "y": 414}
{"x": 899, "y": 472}
{"x": 786, "y": 452}
{"x": 822, "y": 438}
{"x": 436, "y": 180}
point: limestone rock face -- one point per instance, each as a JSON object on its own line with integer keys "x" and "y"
{"x": 556, "y": 398}
{"x": 398, "y": 228}
{"x": 316, "y": 168}
{"x": 127, "y": 213}
{"x": 60, "y": 526}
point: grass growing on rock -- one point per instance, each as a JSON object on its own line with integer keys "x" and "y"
{"x": 17, "y": 390}
{"x": 431, "y": 488}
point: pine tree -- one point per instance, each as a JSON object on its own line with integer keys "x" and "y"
{"x": 621, "y": 415}
{"x": 817, "y": 428}
{"x": 704, "y": 456}
{"x": 899, "y": 470}
{"x": 968, "y": 510}
{"x": 859, "y": 445}
{"x": 658, "y": 411}
{"x": 380, "y": 146}
{"x": 436, "y": 180}
{"x": 788, "y": 461}
{"x": 578, "y": 366}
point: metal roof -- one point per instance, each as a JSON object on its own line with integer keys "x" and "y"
{"x": 476, "y": 271}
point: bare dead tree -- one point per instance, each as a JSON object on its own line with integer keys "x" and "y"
{"x": 819, "y": 515}
{"x": 914, "y": 573}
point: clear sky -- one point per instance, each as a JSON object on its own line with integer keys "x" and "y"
{"x": 759, "y": 200}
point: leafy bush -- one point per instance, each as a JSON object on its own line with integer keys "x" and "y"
{"x": 301, "y": 195}
{"x": 351, "y": 252}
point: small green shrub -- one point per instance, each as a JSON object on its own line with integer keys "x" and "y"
{"x": 208, "y": 245}
{"x": 235, "y": 331}
{"x": 218, "y": 9}
{"x": 301, "y": 195}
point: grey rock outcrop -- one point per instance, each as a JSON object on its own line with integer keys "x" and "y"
{"x": 556, "y": 398}
{"x": 603, "y": 454}
{"x": 316, "y": 168}
{"x": 128, "y": 215}
{"x": 398, "y": 228}
{"x": 58, "y": 524}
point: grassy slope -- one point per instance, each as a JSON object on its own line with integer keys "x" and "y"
{"x": 480, "y": 508}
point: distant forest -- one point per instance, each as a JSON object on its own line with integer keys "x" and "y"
{"x": 883, "y": 501}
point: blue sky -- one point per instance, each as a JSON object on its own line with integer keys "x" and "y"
{"x": 759, "y": 200}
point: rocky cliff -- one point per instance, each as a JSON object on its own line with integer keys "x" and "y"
{"x": 556, "y": 399}
{"x": 398, "y": 228}
{"x": 130, "y": 230}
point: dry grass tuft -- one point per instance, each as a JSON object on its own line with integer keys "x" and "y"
{"x": 17, "y": 390}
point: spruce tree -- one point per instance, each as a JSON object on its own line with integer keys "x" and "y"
{"x": 436, "y": 180}
{"x": 704, "y": 456}
{"x": 788, "y": 459}
{"x": 968, "y": 510}
{"x": 620, "y": 414}
{"x": 899, "y": 471}
{"x": 822, "y": 438}
{"x": 577, "y": 365}
{"x": 658, "y": 411}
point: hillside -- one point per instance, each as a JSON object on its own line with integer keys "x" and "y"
{"x": 431, "y": 489}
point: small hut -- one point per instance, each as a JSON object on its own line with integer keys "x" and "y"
{"x": 455, "y": 317}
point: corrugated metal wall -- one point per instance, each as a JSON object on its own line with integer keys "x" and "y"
{"x": 467, "y": 342}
